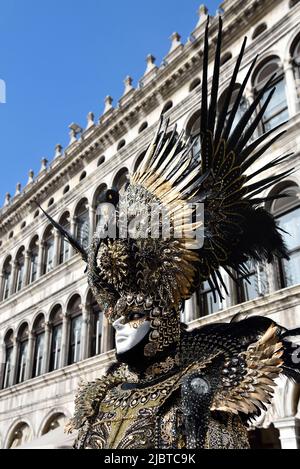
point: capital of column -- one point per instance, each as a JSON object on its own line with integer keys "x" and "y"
{"x": 289, "y": 432}
{"x": 84, "y": 310}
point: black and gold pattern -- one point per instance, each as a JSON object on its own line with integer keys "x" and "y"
{"x": 231, "y": 366}
{"x": 191, "y": 389}
{"x": 150, "y": 411}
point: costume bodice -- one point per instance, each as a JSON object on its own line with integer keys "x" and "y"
{"x": 151, "y": 417}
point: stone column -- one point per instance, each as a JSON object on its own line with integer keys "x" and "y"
{"x": 290, "y": 88}
{"x": 12, "y": 287}
{"x": 92, "y": 216}
{"x": 40, "y": 259}
{"x": 2, "y": 363}
{"x": 232, "y": 298}
{"x": 64, "y": 341}
{"x": 46, "y": 357}
{"x": 14, "y": 363}
{"x": 271, "y": 276}
{"x": 107, "y": 336}
{"x": 57, "y": 243}
{"x": 1, "y": 286}
{"x": 190, "y": 309}
{"x": 26, "y": 268}
{"x": 29, "y": 361}
{"x": 84, "y": 333}
{"x": 289, "y": 430}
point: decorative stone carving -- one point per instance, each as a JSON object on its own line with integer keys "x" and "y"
{"x": 30, "y": 177}
{"x": 58, "y": 151}
{"x": 90, "y": 120}
{"x": 108, "y": 104}
{"x": 44, "y": 165}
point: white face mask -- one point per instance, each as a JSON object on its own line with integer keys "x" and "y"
{"x": 130, "y": 334}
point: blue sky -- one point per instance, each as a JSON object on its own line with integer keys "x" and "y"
{"x": 60, "y": 58}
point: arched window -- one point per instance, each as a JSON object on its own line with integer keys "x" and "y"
{"x": 253, "y": 284}
{"x": 56, "y": 317}
{"x": 287, "y": 213}
{"x": 51, "y": 202}
{"x": 96, "y": 326}
{"x": 64, "y": 245}
{"x": 259, "y": 30}
{"x": 82, "y": 176}
{"x": 74, "y": 313}
{"x": 36, "y": 214}
{"x": 7, "y": 274}
{"x": 66, "y": 189}
{"x": 225, "y": 58}
{"x": 121, "y": 180}
{"x": 82, "y": 223}
{"x": 33, "y": 255}
{"x": 11, "y": 235}
{"x": 101, "y": 160}
{"x": 121, "y": 144}
{"x": 22, "y": 353}
{"x": 23, "y": 225}
{"x": 295, "y": 55}
{"x": 195, "y": 83}
{"x": 193, "y": 130}
{"x": 143, "y": 127}
{"x": 20, "y": 435}
{"x": 205, "y": 301}
{"x": 8, "y": 364}
{"x": 293, "y": 3}
{"x": 277, "y": 110}
{"x": 20, "y": 269}
{"x": 167, "y": 107}
{"x": 48, "y": 253}
{"x": 39, "y": 346}
{"x": 57, "y": 420}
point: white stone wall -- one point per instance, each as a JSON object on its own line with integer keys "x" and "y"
{"x": 35, "y": 400}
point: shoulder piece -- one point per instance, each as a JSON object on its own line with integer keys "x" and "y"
{"x": 248, "y": 379}
{"x": 89, "y": 396}
{"x": 256, "y": 351}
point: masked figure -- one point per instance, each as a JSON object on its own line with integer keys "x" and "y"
{"x": 179, "y": 223}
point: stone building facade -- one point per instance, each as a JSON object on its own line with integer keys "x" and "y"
{"x": 52, "y": 334}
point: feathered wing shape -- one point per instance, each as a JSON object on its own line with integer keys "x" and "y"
{"x": 249, "y": 376}
{"x": 236, "y": 229}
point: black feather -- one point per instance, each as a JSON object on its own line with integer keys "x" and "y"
{"x": 69, "y": 237}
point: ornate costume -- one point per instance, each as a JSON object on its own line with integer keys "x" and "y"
{"x": 173, "y": 388}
